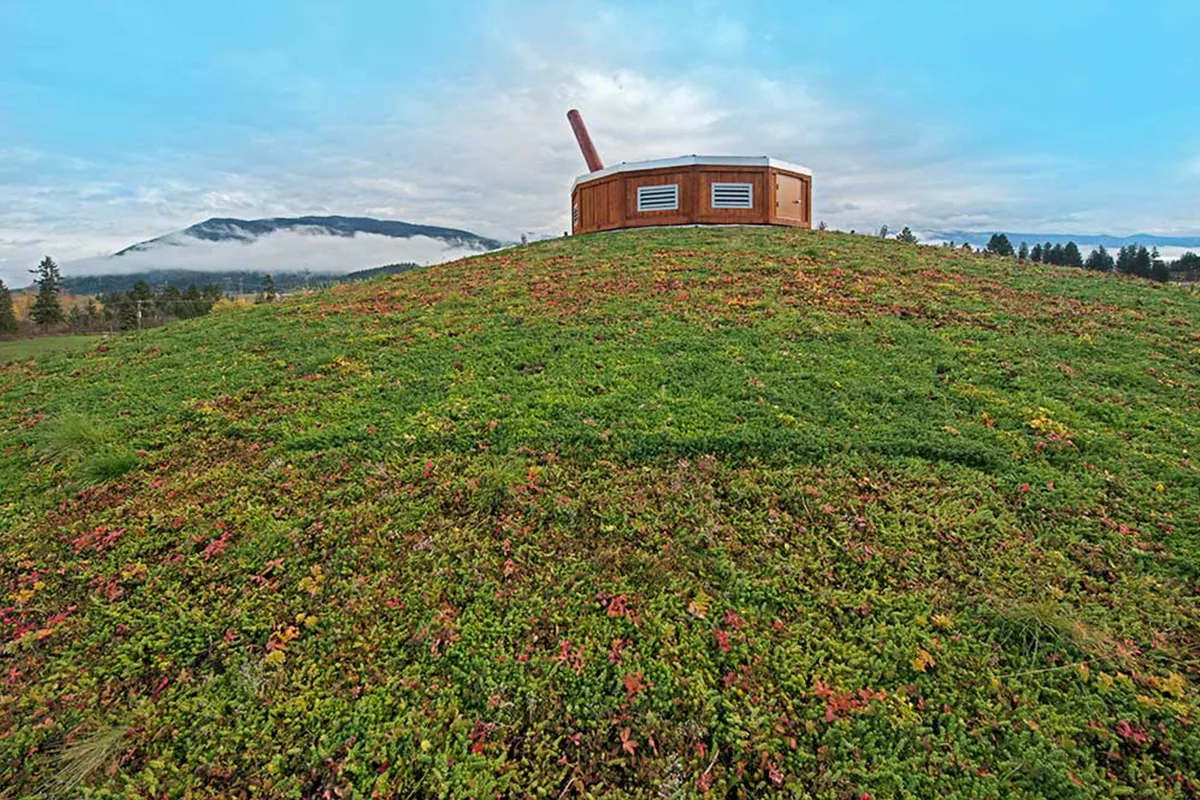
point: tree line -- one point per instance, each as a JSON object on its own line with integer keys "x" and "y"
{"x": 140, "y": 307}
{"x": 1132, "y": 259}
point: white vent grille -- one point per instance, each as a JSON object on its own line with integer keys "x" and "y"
{"x": 658, "y": 198}
{"x": 575, "y": 214}
{"x": 732, "y": 195}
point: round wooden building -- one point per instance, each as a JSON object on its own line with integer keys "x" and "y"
{"x": 690, "y": 190}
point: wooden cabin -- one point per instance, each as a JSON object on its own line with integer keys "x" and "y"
{"x": 693, "y": 190}
{"x": 690, "y": 190}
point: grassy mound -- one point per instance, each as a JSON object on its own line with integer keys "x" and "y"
{"x": 665, "y": 513}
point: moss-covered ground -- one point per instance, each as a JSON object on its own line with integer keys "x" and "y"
{"x": 666, "y": 513}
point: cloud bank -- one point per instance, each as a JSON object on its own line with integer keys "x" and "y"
{"x": 281, "y": 251}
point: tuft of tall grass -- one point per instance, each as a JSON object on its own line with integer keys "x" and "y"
{"x": 86, "y": 755}
{"x": 108, "y": 465}
{"x": 1035, "y": 627}
{"x": 74, "y": 434}
{"x": 91, "y": 446}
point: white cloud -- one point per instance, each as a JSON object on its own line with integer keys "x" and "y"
{"x": 491, "y": 152}
{"x": 281, "y": 251}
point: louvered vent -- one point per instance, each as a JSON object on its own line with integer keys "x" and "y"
{"x": 575, "y": 214}
{"x": 658, "y": 198}
{"x": 732, "y": 195}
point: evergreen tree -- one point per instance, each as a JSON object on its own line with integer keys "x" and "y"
{"x": 1188, "y": 265}
{"x": 906, "y": 236}
{"x": 1036, "y": 253}
{"x": 190, "y": 302}
{"x": 135, "y": 306}
{"x": 1057, "y": 255}
{"x": 1158, "y": 266}
{"x": 1143, "y": 265}
{"x": 92, "y": 313}
{"x": 999, "y": 245}
{"x": 1125, "y": 258}
{"x": 269, "y": 293}
{"x": 1023, "y": 252}
{"x": 1099, "y": 260}
{"x": 169, "y": 301}
{"x": 8, "y": 318}
{"x": 1071, "y": 255}
{"x": 46, "y": 308}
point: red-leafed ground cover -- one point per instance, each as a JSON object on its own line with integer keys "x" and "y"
{"x": 663, "y": 513}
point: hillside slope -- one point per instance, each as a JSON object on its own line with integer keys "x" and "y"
{"x": 661, "y": 513}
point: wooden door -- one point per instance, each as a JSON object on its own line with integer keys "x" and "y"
{"x": 789, "y": 197}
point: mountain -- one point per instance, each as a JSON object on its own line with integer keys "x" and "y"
{"x": 224, "y": 229}
{"x": 313, "y": 245}
{"x": 1082, "y": 239}
{"x": 731, "y": 512}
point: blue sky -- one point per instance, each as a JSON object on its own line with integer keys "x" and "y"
{"x": 125, "y": 119}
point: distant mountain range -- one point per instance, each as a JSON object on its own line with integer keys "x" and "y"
{"x": 224, "y": 229}
{"x": 1083, "y": 240}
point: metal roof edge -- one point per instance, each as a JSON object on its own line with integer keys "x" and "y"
{"x": 693, "y": 160}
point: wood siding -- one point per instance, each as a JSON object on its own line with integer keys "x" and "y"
{"x": 610, "y": 203}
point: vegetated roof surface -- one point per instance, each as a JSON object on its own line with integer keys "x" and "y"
{"x": 659, "y": 513}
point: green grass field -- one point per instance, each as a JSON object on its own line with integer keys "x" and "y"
{"x": 24, "y": 349}
{"x": 670, "y": 513}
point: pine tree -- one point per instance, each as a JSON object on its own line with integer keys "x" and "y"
{"x": 1099, "y": 260}
{"x": 1072, "y": 256}
{"x": 906, "y": 236}
{"x": 169, "y": 301}
{"x": 46, "y": 308}
{"x": 1143, "y": 265}
{"x": 1023, "y": 252}
{"x": 92, "y": 312}
{"x": 269, "y": 293}
{"x": 1057, "y": 255}
{"x": 135, "y": 306}
{"x": 1125, "y": 259}
{"x": 1158, "y": 268}
{"x": 1188, "y": 265}
{"x": 1036, "y": 253}
{"x": 8, "y": 318}
{"x": 191, "y": 304}
{"x": 999, "y": 245}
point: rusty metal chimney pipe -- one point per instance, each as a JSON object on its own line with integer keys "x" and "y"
{"x": 594, "y": 164}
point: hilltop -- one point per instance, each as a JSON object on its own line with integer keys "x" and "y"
{"x": 661, "y": 513}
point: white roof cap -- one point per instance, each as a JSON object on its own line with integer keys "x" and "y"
{"x": 688, "y": 161}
